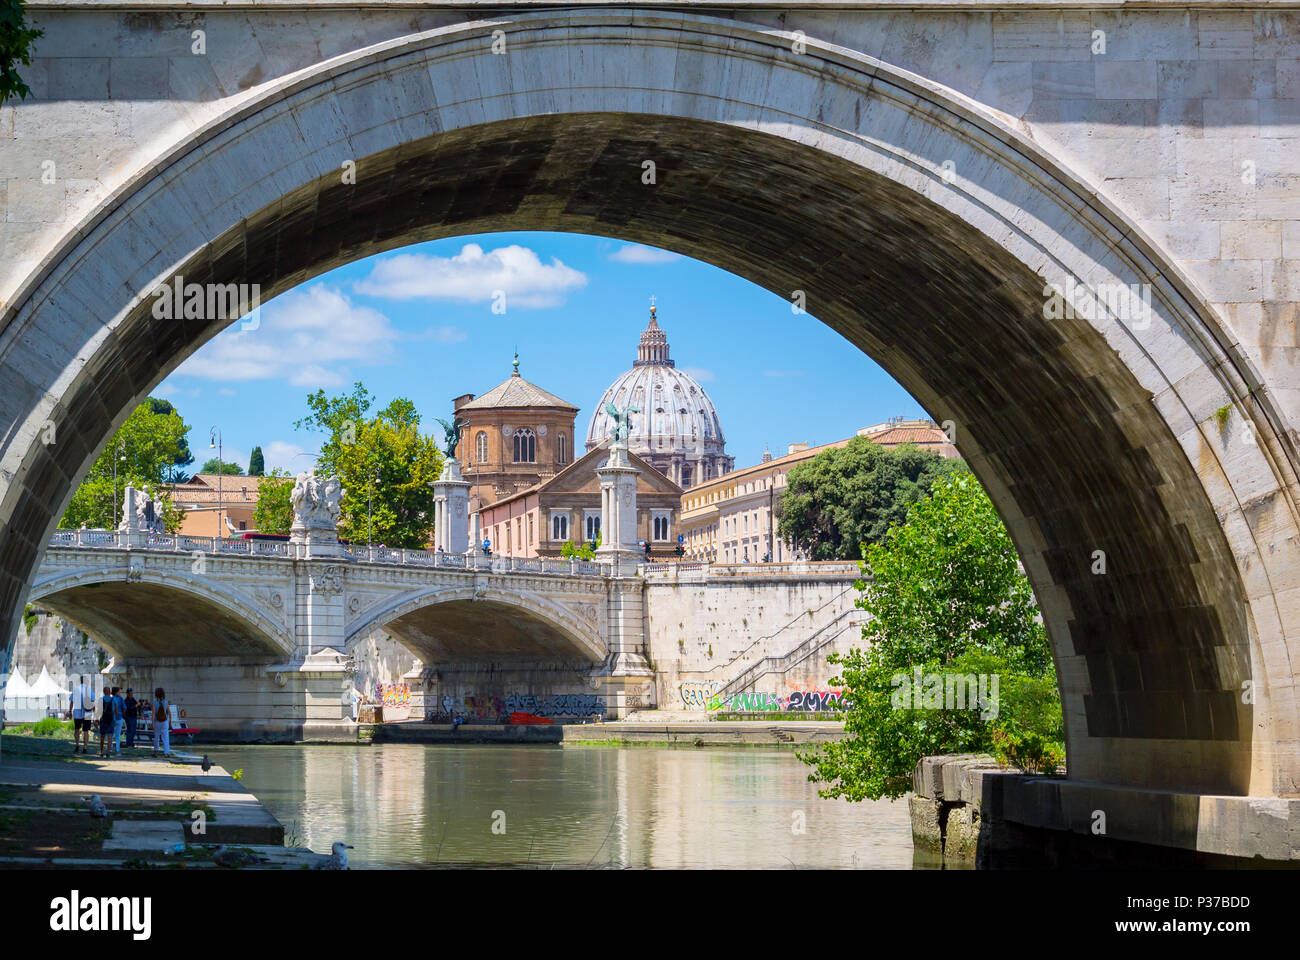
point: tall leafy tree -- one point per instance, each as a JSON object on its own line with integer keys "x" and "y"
{"x": 946, "y": 596}
{"x": 16, "y": 39}
{"x": 256, "y": 463}
{"x": 176, "y": 470}
{"x": 274, "y": 511}
{"x": 845, "y": 497}
{"x": 144, "y": 449}
{"x": 386, "y": 464}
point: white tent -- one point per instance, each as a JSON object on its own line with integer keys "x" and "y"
{"x": 46, "y": 687}
{"x": 16, "y": 687}
{"x": 27, "y": 703}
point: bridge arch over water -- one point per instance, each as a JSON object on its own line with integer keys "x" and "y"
{"x": 468, "y": 624}
{"x": 918, "y": 223}
{"x": 151, "y": 614}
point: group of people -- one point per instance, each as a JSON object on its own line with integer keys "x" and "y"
{"x": 113, "y": 714}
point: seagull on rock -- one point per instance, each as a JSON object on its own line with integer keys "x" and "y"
{"x": 97, "y": 807}
{"x": 338, "y": 858}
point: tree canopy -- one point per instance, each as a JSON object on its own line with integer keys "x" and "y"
{"x": 386, "y": 464}
{"x": 16, "y": 39}
{"x": 946, "y": 599}
{"x": 274, "y": 511}
{"x": 145, "y": 449}
{"x": 225, "y": 468}
{"x": 256, "y": 463}
{"x": 851, "y": 495}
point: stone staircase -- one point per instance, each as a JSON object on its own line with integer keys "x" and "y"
{"x": 827, "y": 634}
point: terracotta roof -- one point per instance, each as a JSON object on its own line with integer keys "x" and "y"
{"x": 202, "y": 488}
{"x": 517, "y": 392}
{"x": 909, "y": 435}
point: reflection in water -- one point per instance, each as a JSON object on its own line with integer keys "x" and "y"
{"x": 409, "y": 805}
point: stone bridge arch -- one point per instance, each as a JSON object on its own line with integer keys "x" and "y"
{"x": 492, "y": 624}
{"x": 918, "y": 224}
{"x": 151, "y": 614}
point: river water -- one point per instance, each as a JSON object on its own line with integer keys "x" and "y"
{"x": 407, "y": 805}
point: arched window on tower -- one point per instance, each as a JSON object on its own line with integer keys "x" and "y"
{"x": 480, "y": 447}
{"x": 525, "y": 446}
{"x": 563, "y": 446}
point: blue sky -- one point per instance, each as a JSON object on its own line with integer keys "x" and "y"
{"x": 419, "y": 322}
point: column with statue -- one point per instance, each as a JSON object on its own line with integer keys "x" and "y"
{"x": 625, "y": 677}
{"x": 451, "y": 495}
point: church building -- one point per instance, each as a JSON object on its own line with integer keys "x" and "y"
{"x": 676, "y": 428}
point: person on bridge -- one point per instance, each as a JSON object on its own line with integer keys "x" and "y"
{"x": 83, "y": 700}
{"x": 132, "y": 706}
{"x": 162, "y": 723}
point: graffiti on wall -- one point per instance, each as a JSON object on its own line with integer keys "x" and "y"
{"x": 810, "y": 701}
{"x": 393, "y": 694}
{"x": 696, "y": 694}
{"x": 558, "y": 705}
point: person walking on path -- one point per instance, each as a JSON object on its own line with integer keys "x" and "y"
{"x": 119, "y": 718}
{"x": 83, "y": 705}
{"x": 162, "y": 723}
{"x": 132, "y": 706}
{"x": 104, "y": 719}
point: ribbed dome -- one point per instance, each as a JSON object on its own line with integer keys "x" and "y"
{"x": 677, "y": 427}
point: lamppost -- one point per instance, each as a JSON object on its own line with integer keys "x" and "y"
{"x": 118, "y": 454}
{"x": 771, "y": 518}
{"x": 214, "y": 443}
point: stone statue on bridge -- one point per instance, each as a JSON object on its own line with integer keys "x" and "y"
{"x": 140, "y": 512}
{"x": 316, "y": 502}
{"x": 622, "y": 421}
{"x": 451, "y": 434}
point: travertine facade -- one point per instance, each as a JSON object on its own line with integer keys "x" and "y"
{"x": 921, "y": 177}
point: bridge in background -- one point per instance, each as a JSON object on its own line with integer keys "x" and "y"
{"x": 967, "y": 192}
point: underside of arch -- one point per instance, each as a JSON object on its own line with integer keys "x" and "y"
{"x": 464, "y": 629}
{"x": 149, "y": 620}
{"x": 1152, "y": 656}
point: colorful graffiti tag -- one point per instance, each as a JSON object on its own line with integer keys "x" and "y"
{"x": 392, "y": 694}
{"x": 809, "y": 701}
{"x": 696, "y": 694}
{"x": 558, "y": 705}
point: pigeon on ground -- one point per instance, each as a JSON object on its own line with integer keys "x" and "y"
{"x": 206, "y": 765}
{"x": 338, "y": 859}
{"x": 97, "y": 807}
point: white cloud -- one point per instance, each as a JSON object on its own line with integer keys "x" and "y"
{"x": 171, "y": 390}
{"x": 289, "y": 457}
{"x": 699, "y": 373}
{"x": 308, "y": 337}
{"x": 441, "y": 335}
{"x": 473, "y": 276}
{"x": 638, "y": 253}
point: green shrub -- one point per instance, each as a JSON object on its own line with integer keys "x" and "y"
{"x": 51, "y": 727}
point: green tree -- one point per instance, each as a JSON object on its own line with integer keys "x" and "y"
{"x": 583, "y": 550}
{"x": 386, "y": 464}
{"x": 851, "y": 495}
{"x": 256, "y": 463}
{"x": 16, "y": 39}
{"x": 145, "y": 449}
{"x": 175, "y": 471}
{"x": 945, "y": 595}
{"x": 225, "y": 468}
{"x": 274, "y": 511}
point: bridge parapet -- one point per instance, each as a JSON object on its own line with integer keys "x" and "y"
{"x": 362, "y": 553}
